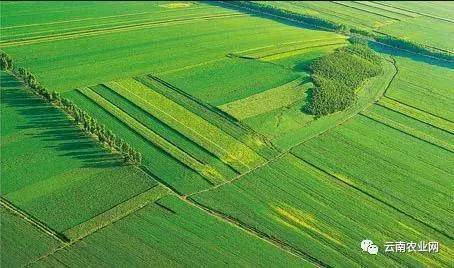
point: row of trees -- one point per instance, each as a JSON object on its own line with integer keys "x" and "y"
{"x": 348, "y": 29}
{"x": 81, "y": 118}
{"x": 337, "y": 76}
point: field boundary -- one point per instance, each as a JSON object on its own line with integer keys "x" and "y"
{"x": 364, "y": 10}
{"x": 282, "y": 245}
{"x": 357, "y": 188}
{"x": 416, "y": 134}
{"x": 152, "y": 137}
{"x": 219, "y": 118}
{"x": 33, "y": 221}
{"x": 93, "y": 32}
{"x": 116, "y": 213}
{"x": 387, "y": 105}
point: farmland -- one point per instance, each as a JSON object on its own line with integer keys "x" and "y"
{"x": 274, "y": 134}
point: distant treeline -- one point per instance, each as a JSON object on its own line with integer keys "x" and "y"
{"x": 82, "y": 118}
{"x": 343, "y": 28}
{"x": 336, "y": 77}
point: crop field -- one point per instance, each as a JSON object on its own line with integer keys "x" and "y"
{"x": 143, "y": 238}
{"x": 73, "y": 179}
{"x": 21, "y": 241}
{"x": 428, "y": 23}
{"x": 220, "y": 134}
{"x": 313, "y": 213}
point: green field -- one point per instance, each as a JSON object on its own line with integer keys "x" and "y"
{"x": 316, "y": 213}
{"x": 235, "y": 167}
{"x": 52, "y": 170}
{"x": 143, "y": 238}
{"x": 428, "y": 23}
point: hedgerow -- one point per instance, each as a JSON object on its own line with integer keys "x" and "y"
{"x": 337, "y": 76}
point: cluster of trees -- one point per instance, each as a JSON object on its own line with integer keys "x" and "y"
{"x": 348, "y": 29}
{"x": 6, "y": 62}
{"x": 82, "y": 118}
{"x": 337, "y": 76}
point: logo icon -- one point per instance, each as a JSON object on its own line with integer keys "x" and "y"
{"x": 368, "y": 245}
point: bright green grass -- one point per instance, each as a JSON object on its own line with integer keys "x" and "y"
{"x": 300, "y": 61}
{"x": 338, "y": 13}
{"x": 213, "y": 115}
{"x": 172, "y": 233}
{"x": 66, "y": 64}
{"x": 272, "y": 99}
{"x": 404, "y": 171}
{"x": 411, "y": 126}
{"x": 174, "y": 137}
{"x": 21, "y": 242}
{"x": 158, "y": 162}
{"x": 228, "y": 149}
{"x": 51, "y": 170}
{"x": 150, "y": 14}
{"x": 303, "y": 207}
{"x": 431, "y": 25}
{"x": 229, "y": 79}
{"x": 441, "y": 9}
{"x": 153, "y": 137}
{"x": 425, "y": 86}
{"x": 417, "y": 114}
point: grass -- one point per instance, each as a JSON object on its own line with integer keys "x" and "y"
{"x": 303, "y": 207}
{"x": 51, "y": 170}
{"x": 213, "y": 115}
{"x": 417, "y": 114}
{"x": 116, "y": 213}
{"x": 228, "y": 149}
{"x": 272, "y": 99}
{"x": 229, "y": 79}
{"x": 429, "y": 92}
{"x": 21, "y": 241}
{"x": 411, "y": 126}
{"x": 153, "y": 138}
{"x": 143, "y": 239}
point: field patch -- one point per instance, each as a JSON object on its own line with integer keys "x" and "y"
{"x": 64, "y": 177}
{"x": 22, "y": 242}
{"x": 375, "y": 156}
{"x": 176, "y": 5}
{"x": 143, "y": 239}
{"x": 315, "y": 213}
{"x": 156, "y": 161}
{"x": 272, "y": 99}
{"x": 229, "y": 79}
{"x": 425, "y": 85}
{"x": 228, "y": 149}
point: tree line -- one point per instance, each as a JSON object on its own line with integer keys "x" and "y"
{"x": 343, "y": 28}
{"x": 337, "y": 76}
{"x": 81, "y": 118}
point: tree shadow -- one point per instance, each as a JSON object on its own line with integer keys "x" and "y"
{"x": 51, "y": 127}
{"x": 376, "y": 46}
{"x": 384, "y": 49}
